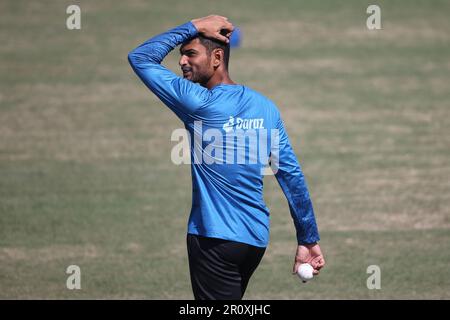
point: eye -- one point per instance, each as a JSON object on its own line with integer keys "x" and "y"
{"x": 189, "y": 53}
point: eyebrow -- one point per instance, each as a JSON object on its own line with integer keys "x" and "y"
{"x": 182, "y": 51}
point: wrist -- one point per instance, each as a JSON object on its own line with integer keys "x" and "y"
{"x": 308, "y": 245}
{"x": 197, "y": 24}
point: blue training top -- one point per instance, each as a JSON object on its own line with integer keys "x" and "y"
{"x": 225, "y": 124}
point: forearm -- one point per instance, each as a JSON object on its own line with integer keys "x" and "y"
{"x": 156, "y": 48}
{"x": 300, "y": 205}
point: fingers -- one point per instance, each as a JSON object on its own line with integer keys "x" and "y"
{"x": 228, "y": 26}
{"x": 317, "y": 263}
{"x": 222, "y": 21}
{"x": 219, "y": 27}
{"x": 226, "y": 31}
{"x": 295, "y": 267}
{"x": 222, "y": 38}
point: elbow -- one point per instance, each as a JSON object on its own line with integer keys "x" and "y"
{"x": 132, "y": 58}
{"x": 137, "y": 58}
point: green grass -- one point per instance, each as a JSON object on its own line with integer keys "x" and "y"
{"x": 85, "y": 170}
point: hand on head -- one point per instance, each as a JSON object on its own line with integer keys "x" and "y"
{"x": 214, "y": 26}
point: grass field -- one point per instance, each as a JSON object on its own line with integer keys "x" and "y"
{"x": 85, "y": 170}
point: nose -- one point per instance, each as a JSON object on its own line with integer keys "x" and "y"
{"x": 183, "y": 60}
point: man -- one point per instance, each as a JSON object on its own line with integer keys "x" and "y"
{"x": 228, "y": 228}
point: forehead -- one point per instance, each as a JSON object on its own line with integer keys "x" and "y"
{"x": 194, "y": 44}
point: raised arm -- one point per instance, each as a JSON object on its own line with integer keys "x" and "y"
{"x": 181, "y": 95}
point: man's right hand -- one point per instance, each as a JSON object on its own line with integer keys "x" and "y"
{"x": 212, "y": 27}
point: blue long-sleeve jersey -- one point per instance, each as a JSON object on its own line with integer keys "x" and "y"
{"x": 227, "y": 199}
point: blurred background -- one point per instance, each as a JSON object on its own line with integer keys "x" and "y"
{"x": 86, "y": 177}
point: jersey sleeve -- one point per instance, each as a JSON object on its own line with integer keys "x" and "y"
{"x": 182, "y": 96}
{"x": 292, "y": 181}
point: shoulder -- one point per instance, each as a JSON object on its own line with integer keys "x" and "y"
{"x": 263, "y": 99}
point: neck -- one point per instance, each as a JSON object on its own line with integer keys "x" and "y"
{"x": 218, "y": 78}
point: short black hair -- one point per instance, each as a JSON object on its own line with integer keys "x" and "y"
{"x": 211, "y": 44}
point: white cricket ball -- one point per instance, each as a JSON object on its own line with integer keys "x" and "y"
{"x": 305, "y": 272}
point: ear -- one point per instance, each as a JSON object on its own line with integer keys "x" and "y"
{"x": 217, "y": 56}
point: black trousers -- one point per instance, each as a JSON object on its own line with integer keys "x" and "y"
{"x": 220, "y": 269}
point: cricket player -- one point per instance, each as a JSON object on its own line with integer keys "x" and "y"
{"x": 228, "y": 227}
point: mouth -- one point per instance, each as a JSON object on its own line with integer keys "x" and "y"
{"x": 186, "y": 71}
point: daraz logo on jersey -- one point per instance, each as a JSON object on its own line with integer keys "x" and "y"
{"x": 243, "y": 124}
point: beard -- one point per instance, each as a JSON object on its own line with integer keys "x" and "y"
{"x": 198, "y": 76}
